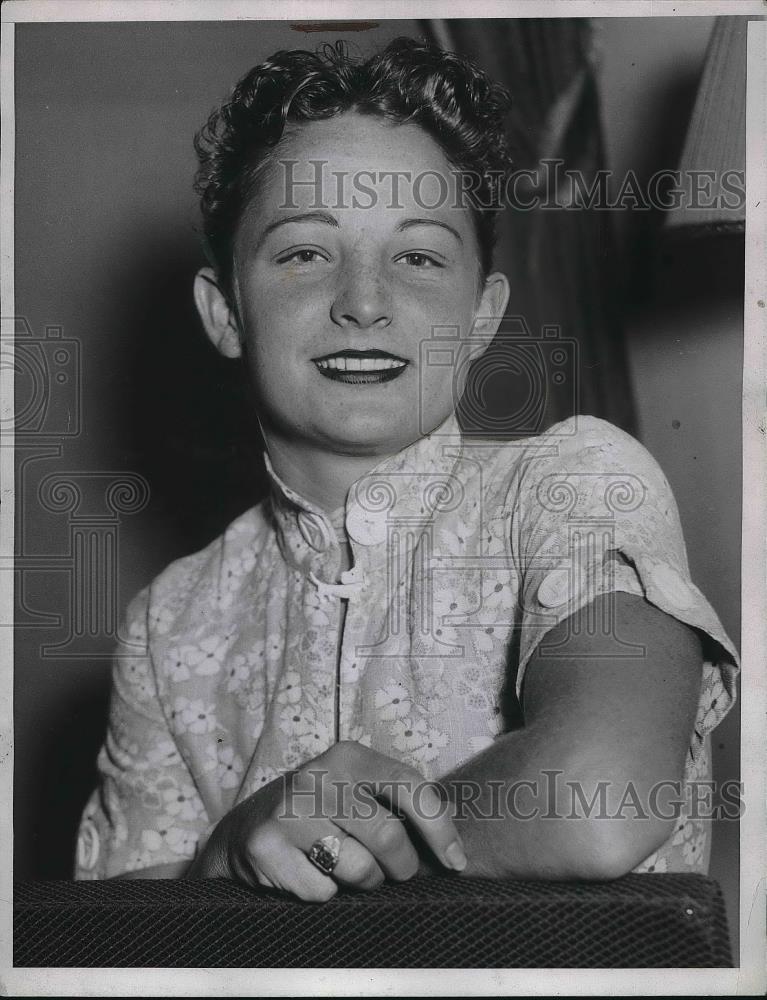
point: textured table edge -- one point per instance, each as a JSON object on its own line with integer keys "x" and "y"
{"x": 434, "y": 908}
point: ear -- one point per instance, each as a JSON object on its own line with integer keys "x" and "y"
{"x": 216, "y": 314}
{"x": 489, "y": 312}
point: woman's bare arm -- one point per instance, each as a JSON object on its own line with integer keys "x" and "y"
{"x": 592, "y": 716}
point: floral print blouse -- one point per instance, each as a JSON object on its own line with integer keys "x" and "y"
{"x": 246, "y": 659}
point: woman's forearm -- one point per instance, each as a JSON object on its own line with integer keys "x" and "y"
{"x": 528, "y": 808}
{"x": 592, "y": 784}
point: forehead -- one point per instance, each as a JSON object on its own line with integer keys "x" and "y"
{"x": 352, "y": 138}
{"x": 361, "y": 163}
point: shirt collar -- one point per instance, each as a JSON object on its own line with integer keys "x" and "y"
{"x": 405, "y": 488}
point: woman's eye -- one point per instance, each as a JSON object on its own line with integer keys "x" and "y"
{"x": 305, "y": 255}
{"x": 417, "y": 259}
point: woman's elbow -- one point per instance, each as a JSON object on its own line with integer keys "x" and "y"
{"x": 610, "y": 849}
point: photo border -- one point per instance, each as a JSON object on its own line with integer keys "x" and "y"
{"x": 749, "y": 977}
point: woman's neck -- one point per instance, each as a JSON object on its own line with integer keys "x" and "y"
{"x": 321, "y": 477}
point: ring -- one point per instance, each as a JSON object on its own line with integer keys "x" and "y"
{"x": 324, "y": 853}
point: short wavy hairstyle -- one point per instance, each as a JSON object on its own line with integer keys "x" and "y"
{"x": 408, "y": 82}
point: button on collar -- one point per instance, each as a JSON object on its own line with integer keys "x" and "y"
{"x": 410, "y": 485}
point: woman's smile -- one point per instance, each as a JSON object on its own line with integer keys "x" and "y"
{"x": 371, "y": 367}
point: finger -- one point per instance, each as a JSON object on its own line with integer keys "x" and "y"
{"x": 357, "y": 868}
{"x": 304, "y": 880}
{"x": 293, "y": 872}
{"x": 408, "y": 792}
{"x": 381, "y": 834}
{"x": 352, "y": 808}
{"x": 270, "y": 859}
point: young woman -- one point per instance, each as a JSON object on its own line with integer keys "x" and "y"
{"x": 419, "y": 650}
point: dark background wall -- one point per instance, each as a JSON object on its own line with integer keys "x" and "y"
{"x": 106, "y": 249}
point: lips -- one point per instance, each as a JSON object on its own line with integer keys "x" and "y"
{"x": 360, "y": 367}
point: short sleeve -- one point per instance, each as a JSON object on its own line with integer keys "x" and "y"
{"x": 593, "y": 513}
{"x": 146, "y": 810}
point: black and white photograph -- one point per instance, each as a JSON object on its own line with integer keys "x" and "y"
{"x": 383, "y": 498}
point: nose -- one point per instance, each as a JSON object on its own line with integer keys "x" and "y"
{"x": 363, "y": 298}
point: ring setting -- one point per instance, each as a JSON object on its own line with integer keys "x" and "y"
{"x": 324, "y": 853}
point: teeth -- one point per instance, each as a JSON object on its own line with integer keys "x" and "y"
{"x": 361, "y": 364}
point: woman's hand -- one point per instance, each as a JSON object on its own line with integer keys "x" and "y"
{"x": 348, "y": 792}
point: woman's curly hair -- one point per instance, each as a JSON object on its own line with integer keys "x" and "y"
{"x": 408, "y": 82}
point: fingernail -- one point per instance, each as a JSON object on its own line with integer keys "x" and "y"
{"x": 456, "y": 857}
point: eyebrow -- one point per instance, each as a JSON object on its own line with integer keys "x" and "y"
{"x": 409, "y": 223}
{"x": 330, "y": 220}
{"x": 301, "y": 217}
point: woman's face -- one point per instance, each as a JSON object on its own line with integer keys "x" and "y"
{"x": 354, "y": 291}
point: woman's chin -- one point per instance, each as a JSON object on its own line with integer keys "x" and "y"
{"x": 365, "y": 435}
